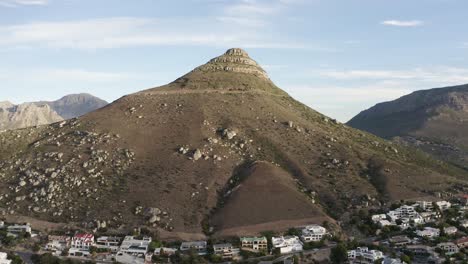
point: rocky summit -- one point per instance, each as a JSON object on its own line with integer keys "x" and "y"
{"x": 219, "y": 151}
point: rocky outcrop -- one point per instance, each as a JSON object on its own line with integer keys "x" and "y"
{"x": 234, "y": 60}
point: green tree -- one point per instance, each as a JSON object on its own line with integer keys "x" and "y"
{"x": 339, "y": 254}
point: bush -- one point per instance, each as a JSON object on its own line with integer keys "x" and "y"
{"x": 339, "y": 254}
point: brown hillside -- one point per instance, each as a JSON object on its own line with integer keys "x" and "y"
{"x": 167, "y": 157}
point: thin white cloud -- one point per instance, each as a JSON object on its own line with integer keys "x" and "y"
{"x": 15, "y": 3}
{"x": 130, "y": 32}
{"x": 403, "y": 23}
{"x": 441, "y": 74}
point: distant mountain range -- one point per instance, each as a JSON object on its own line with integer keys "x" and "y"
{"x": 44, "y": 112}
{"x": 435, "y": 121}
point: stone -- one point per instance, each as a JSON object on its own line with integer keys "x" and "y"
{"x": 197, "y": 154}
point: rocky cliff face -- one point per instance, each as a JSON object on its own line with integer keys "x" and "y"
{"x": 435, "y": 121}
{"x": 41, "y": 113}
{"x": 26, "y": 115}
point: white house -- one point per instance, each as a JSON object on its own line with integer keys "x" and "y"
{"x": 18, "y": 229}
{"x": 451, "y": 230}
{"x": 111, "y": 243}
{"x": 443, "y": 205}
{"x": 226, "y": 251}
{"x": 430, "y": 217}
{"x": 464, "y": 223}
{"x": 425, "y": 205}
{"x": 449, "y": 248}
{"x": 2, "y": 224}
{"x": 82, "y": 241}
{"x": 134, "y": 246}
{"x": 199, "y": 246}
{"x": 405, "y": 212}
{"x": 364, "y": 255}
{"x": 81, "y": 244}
{"x": 313, "y": 233}
{"x": 378, "y": 217}
{"x": 4, "y": 258}
{"x": 428, "y": 232}
{"x": 57, "y": 243}
{"x": 287, "y": 244}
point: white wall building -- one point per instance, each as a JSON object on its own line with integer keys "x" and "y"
{"x": 428, "y": 232}
{"x": 134, "y": 246}
{"x": 425, "y": 205}
{"x": 17, "y": 229}
{"x": 82, "y": 241}
{"x": 287, "y": 244}
{"x": 313, "y": 233}
{"x": 364, "y": 255}
{"x": 443, "y": 205}
{"x": 57, "y": 243}
{"x": 4, "y": 258}
{"x": 199, "y": 246}
{"x": 111, "y": 243}
{"x": 405, "y": 212}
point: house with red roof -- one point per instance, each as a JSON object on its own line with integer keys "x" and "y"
{"x": 81, "y": 244}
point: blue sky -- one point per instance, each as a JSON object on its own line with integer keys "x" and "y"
{"x": 337, "y": 56}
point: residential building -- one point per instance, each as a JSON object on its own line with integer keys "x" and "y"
{"x": 378, "y": 217}
{"x": 383, "y": 223}
{"x": 362, "y": 255}
{"x": 199, "y": 246}
{"x": 82, "y": 241}
{"x": 428, "y": 232}
{"x": 313, "y": 233}
{"x": 57, "y": 243}
{"x": 254, "y": 243}
{"x": 4, "y": 258}
{"x": 425, "y": 205}
{"x": 165, "y": 251}
{"x": 405, "y": 212}
{"x": 451, "y": 230}
{"x": 430, "y": 217}
{"x": 464, "y": 223}
{"x": 424, "y": 254}
{"x": 287, "y": 244}
{"x": 462, "y": 242}
{"x": 2, "y": 224}
{"x": 443, "y": 205}
{"x": 399, "y": 241}
{"x": 449, "y": 248}
{"x": 226, "y": 251}
{"x": 18, "y": 229}
{"x": 111, "y": 243}
{"x": 135, "y": 246}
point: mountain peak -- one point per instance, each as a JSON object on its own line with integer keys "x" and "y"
{"x": 234, "y": 60}
{"x": 232, "y": 71}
